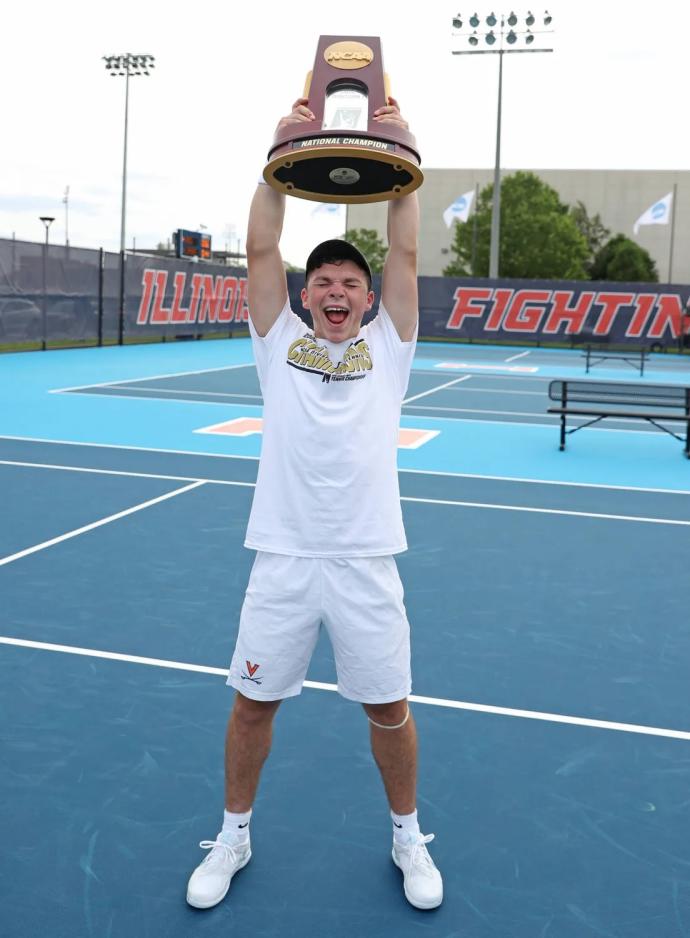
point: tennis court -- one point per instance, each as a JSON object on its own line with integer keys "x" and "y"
{"x": 548, "y": 599}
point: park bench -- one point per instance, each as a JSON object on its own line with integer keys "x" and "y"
{"x": 599, "y": 400}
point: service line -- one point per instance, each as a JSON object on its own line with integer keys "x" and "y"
{"x": 317, "y": 685}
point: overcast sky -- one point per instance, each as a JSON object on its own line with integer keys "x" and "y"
{"x": 613, "y": 95}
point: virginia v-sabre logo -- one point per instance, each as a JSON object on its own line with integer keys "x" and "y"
{"x": 306, "y": 354}
{"x": 252, "y": 668}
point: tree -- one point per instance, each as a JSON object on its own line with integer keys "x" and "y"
{"x": 623, "y": 260}
{"x": 372, "y": 246}
{"x": 594, "y": 231}
{"x": 539, "y": 238}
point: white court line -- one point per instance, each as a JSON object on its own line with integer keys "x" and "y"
{"x": 586, "y": 485}
{"x": 516, "y": 423}
{"x": 96, "y": 524}
{"x": 527, "y": 413}
{"x": 519, "y": 355}
{"x": 476, "y": 390}
{"x": 172, "y": 374}
{"x": 434, "y": 390}
{"x": 524, "y": 379}
{"x": 432, "y": 472}
{"x": 546, "y": 511}
{"x": 428, "y": 472}
{"x": 137, "y": 449}
{"x": 121, "y": 472}
{"x": 256, "y": 397}
{"x": 404, "y": 498}
{"x": 134, "y": 394}
{"x": 317, "y": 685}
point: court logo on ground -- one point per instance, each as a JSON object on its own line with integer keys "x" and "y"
{"x": 408, "y": 437}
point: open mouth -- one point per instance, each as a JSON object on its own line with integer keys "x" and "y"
{"x": 336, "y": 315}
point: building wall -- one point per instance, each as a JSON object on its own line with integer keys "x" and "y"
{"x": 618, "y": 196}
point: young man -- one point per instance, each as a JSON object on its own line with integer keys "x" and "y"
{"x": 326, "y": 520}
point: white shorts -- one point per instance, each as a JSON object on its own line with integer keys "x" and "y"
{"x": 360, "y": 602}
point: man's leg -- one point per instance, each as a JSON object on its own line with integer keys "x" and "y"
{"x": 247, "y": 744}
{"x": 394, "y": 745}
{"x": 395, "y": 752}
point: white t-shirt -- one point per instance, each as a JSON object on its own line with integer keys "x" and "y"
{"x": 328, "y": 481}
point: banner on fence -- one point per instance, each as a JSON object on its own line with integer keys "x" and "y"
{"x": 63, "y": 293}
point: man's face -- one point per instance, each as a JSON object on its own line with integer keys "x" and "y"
{"x": 337, "y": 296}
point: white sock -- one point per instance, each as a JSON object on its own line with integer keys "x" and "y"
{"x": 405, "y": 827}
{"x": 236, "y": 826}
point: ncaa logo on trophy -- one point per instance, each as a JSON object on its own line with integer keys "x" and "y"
{"x": 342, "y": 155}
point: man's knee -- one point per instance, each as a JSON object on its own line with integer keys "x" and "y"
{"x": 248, "y": 713}
{"x": 388, "y": 715}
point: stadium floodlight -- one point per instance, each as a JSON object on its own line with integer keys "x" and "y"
{"x": 502, "y": 41}
{"x": 127, "y": 64}
{"x": 457, "y": 22}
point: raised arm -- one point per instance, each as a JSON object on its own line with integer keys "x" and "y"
{"x": 266, "y": 281}
{"x": 399, "y": 279}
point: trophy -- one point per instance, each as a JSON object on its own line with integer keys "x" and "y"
{"x": 343, "y": 155}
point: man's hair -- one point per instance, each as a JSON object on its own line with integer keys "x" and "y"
{"x": 334, "y": 252}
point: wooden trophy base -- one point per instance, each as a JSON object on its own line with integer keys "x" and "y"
{"x": 324, "y": 170}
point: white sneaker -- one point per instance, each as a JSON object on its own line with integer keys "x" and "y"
{"x": 422, "y": 881}
{"x": 210, "y": 881}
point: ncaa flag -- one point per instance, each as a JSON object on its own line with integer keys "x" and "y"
{"x": 460, "y": 209}
{"x": 657, "y": 214}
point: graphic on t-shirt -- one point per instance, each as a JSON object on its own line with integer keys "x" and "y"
{"x": 306, "y": 354}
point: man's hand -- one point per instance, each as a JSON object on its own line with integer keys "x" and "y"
{"x": 300, "y": 114}
{"x": 390, "y": 114}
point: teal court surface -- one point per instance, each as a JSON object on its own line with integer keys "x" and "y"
{"x": 550, "y": 611}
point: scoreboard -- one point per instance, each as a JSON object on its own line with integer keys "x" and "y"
{"x": 192, "y": 244}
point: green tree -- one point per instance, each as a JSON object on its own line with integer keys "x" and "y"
{"x": 623, "y": 259}
{"x": 593, "y": 229}
{"x": 372, "y": 246}
{"x": 539, "y": 238}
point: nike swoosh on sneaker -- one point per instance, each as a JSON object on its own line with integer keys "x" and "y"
{"x": 243, "y": 825}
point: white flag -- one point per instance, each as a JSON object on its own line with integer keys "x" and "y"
{"x": 657, "y": 214}
{"x": 460, "y": 209}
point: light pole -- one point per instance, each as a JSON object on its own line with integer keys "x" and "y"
{"x": 497, "y": 33}
{"x": 127, "y": 64}
{"x": 47, "y": 221}
{"x": 65, "y": 201}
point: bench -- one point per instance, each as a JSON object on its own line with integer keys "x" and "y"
{"x": 601, "y": 399}
{"x": 634, "y": 357}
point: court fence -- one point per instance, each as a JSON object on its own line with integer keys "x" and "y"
{"x": 57, "y": 295}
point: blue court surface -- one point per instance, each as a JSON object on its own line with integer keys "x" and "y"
{"x": 550, "y": 610}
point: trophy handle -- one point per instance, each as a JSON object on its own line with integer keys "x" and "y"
{"x": 307, "y": 84}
